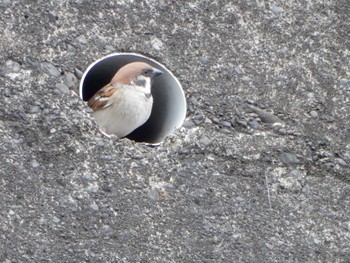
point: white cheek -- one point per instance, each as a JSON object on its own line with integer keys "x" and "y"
{"x": 148, "y": 85}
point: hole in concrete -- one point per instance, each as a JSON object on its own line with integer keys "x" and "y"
{"x": 169, "y": 103}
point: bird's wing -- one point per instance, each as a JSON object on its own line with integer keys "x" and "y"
{"x": 102, "y": 98}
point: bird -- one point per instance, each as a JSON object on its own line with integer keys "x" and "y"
{"x": 125, "y": 103}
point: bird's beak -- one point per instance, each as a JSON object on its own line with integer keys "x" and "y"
{"x": 156, "y": 72}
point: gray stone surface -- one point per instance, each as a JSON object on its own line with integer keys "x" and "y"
{"x": 212, "y": 192}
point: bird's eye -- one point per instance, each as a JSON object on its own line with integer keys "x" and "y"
{"x": 146, "y": 71}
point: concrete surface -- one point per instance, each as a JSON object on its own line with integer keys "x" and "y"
{"x": 258, "y": 173}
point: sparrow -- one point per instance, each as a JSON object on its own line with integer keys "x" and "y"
{"x": 126, "y": 102}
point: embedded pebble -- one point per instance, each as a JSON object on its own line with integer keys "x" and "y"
{"x": 254, "y": 125}
{"x": 50, "y": 69}
{"x": 282, "y": 131}
{"x": 184, "y": 151}
{"x": 78, "y": 73}
{"x": 6, "y": 2}
{"x": 70, "y": 80}
{"x": 194, "y": 101}
{"x": 62, "y": 88}
{"x": 152, "y": 194}
{"x": 188, "y": 124}
{"x": 313, "y": 114}
{"x": 341, "y": 162}
{"x": 226, "y": 124}
{"x": 199, "y": 192}
{"x": 35, "y": 164}
{"x": 295, "y": 173}
{"x": 56, "y": 220}
{"x": 288, "y": 158}
{"x": 276, "y": 10}
{"x": 242, "y": 123}
{"x": 7, "y": 92}
{"x": 233, "y": 122}
{"x": 344, "y": 82}
{"x": 239, "y": 70}
{"x": 10, "y": 67}
{"x": 265, "y": 116}
{"x": 82, "y": 39}
{"x": 283, "y": 50}
{"x": 205, "y": 141}
{"x": 204, "y": 59}
{"x": 35, "y": 109}
{"x": 94, "y": 207}
{"x": 216, "y": 120}
{"x": 157, "y": 43}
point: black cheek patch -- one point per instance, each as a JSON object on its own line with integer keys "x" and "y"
{"x": 140, "y": 82}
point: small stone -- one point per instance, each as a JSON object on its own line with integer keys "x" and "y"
{"x": 282, "y": 131}
{"x": 313, "y": 114}
{"x": 106, "y": 230}
{"x": 35, "y": 164}
{"x": 94, "y": 207}
{"x": 204, "y": 59}
{"x": 265, "y": 116}
{"x": 341, "y": 162}
{"x": 226, "y": 124}
{"x": 216, "y": 120}
{"x": 344, "y": 82}
{"x": 207, "y": 120}
{"x": 283, "y": 50}
{"x": 199, "y": 193}
{"x": 109, "y": 48}
{"x": 92, "y": 189}
{"x": 288, "y": 158}
{"x": 184, "y": 151}
{"x": 42, "y": 221}
{"x": 157, "y": 44}
{"x": 254, "y": 125}
{"x": 152, "y": 194}
{"x": 6, "y": 2}
{"x": 82, "y": 39}
{"x": 62, "y": 88}
{"x": 311, "y": 95}
{"x": 233, "y": 122}
{"x": 295, "y": 173}
{"x": 50, "y": 69}
{"x": 194, "y": 101}
{"x": 205, "y": 141}
{"x": 239, "y": 70}
{"x": 7, "y": 92}
{"x": 325, "y": 154}
{"x": 70, "y": 80}
{"x": 10, "y": 67}
{"x": 276, "y": 10}
{"x": 242, "y": 123}
{"x": 269, "y": 246}
{"x": 78, "y": 73}
{"x": 56, "y": 220}
{"x": 188, "y": 124}
{"x": 35, "y": 109}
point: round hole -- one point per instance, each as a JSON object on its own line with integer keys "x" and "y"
{"x": 169, "y": 103}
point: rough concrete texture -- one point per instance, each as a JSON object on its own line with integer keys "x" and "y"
{"x": 258, "y": 173}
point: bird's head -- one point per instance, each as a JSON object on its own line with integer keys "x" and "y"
{"x": 137, "y": 74}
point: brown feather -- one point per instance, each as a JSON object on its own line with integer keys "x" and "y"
{"x": 128, "y": 72}
{"x": 97, "y": 102}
